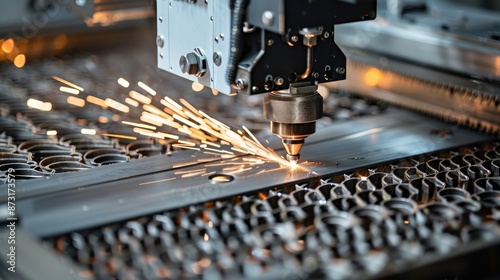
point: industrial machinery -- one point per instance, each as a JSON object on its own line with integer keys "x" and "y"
{"x": 121, "y": 162}
{"x": 255, "y": 47}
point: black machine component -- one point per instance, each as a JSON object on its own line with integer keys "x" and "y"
{"x": 294, "y": 42}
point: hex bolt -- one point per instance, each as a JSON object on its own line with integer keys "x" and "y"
{"x": 188, "y": 64}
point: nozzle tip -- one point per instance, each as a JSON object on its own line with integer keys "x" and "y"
{"x": 293, "y": 159}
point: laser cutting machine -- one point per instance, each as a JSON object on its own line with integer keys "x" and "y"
{"x": 399, "y": 179}
{"x": 282, "y": 48}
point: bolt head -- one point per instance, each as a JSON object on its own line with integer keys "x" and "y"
{"x": 217, "y": 57}
{"x": 241, "y": 83}
{"x": 340, "y": 70}
{"x": 189, "y": 64}
{"x": 295, "y": 38}
{"x": 279, "y": 81}
{"x": 160, "y": 41}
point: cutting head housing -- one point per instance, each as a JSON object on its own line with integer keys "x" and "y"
{"x": 293, "y": 116}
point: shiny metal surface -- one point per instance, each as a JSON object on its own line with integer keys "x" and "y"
{"x": 360, "y": 143}
{"x": 293, "y": 115}
{"x": 358, "y": 224}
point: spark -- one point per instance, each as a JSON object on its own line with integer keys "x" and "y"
{"x": 190, "y": 107}
{"x": 51, "y": 132}
{"x": 168, "y": 135}
{"x": 116, "y": 105}
{"x": 8, "y": 46}
{"x": 139, "y": 125}
{"x": 186, "y": 122}
{"x": 142, "y": 130}
{"x": 75, "y": 101}
{"x": 119, "y": 136}
{"x": 97, "y": 101}
{"x": 152, "y": 134}
{"x": 187, "y": 143}
{"x": 219, "y": 151}
{"x": 20, "y": 60}
{"x": 197, "y": 87}
{"x": 157, "y": 181}
{"x": 88, "y": 131}
{"x": 147, "y": 88}
{"x": 180, "y": 172}
{"x": 131, "y": 102}
{"x": 40, "y": 105}
{"x": 69, "y": 90}
{"x": 124, "y": 83}
{"x": 251, "y": 135}
{"x": 242, "y": 170}
{"x": 239, "y": 150}
{"x": 147, "y": 119}
{"x": 211, "y": 144}
{"x": 68, "y": 83}
{"x": 139, "y": 97}
{"x": 185, "y": 147}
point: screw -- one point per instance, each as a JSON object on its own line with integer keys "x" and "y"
{"x": 315, "y": 75}
{"x": 161, "y": 55}
{"x": 216, "y": 39}
{"x": 221, "y": 36}
{"x": 326, "y": 35}
{"x": 206, "y": 2}
{"x": 295, "y": 38}
{"x": 255, "y": 89}
{"x": 160, "y": 19}
{"x": 340, "y": 70}
{"x": 241, "y": 83}
{"x": 160, "y": 41}
{"x": 217, "y": 58}
{"x": 268, "y": 18}
{"x": 279, "y": 81}
{"x": 270, "y": 42}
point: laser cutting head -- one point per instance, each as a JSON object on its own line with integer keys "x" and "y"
{"x": 293, "y": 115}
{"x": 256, "y": 47}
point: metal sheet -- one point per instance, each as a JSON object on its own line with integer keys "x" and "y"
{"x": 66, "y": 181}
{"x": 372, "y": 140}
